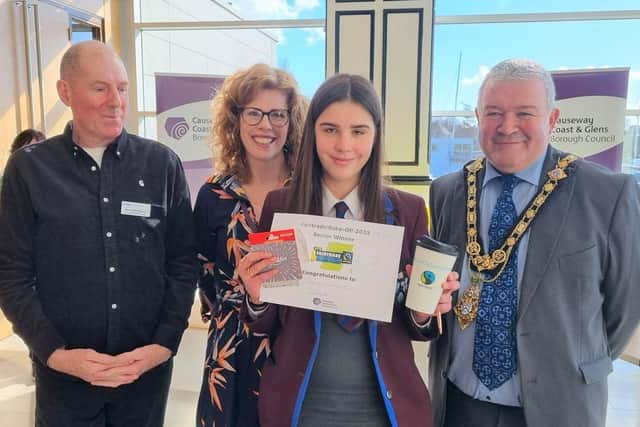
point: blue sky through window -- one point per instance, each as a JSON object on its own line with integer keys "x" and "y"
{"x": 479, "y": 7}
{"x": 557, "y": 45}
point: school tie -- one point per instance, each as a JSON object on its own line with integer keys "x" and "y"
{"x": 341, "y": 209}
{"x": 495, "y": 355}
{"x": 348, "y": 323}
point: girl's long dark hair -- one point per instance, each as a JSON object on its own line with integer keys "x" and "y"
{"x": 306, "y": 187}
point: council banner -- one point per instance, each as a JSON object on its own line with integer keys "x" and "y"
{"x": 592, "y": 107}
{"x": 183, "y": 113}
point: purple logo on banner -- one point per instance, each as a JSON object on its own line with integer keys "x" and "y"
{"x": 176, "y": 127}
{"x": 183, "y": 111}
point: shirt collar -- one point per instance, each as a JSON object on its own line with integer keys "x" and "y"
{"x": 120, "y": 143}
{"x": 531, "y": 174}
{"x": 352, "y": 200}
{"x": 230, "y": 184}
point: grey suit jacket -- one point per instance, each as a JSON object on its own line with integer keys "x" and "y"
{"x": 579, "y": 297}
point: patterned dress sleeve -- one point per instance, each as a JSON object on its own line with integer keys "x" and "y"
{"x": 206, "y": 204}
{"x": 234, "y": 356}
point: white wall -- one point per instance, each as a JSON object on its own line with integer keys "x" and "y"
{"x": 13, "y": 107}
{"x": 212, "y": 52}
{"x": 14, "y": 110}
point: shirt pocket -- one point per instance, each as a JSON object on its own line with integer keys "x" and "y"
{"x": 142, "y": 230}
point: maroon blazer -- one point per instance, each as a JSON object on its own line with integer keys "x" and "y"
{"x": 293, "y": 331}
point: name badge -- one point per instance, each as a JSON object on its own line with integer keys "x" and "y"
{"x": 135, "y": 209}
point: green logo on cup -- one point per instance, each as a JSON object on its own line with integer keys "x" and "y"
{"x": 427, "y": 277}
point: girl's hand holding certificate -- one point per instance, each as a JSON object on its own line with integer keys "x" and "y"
{"x": 251, "y": 270}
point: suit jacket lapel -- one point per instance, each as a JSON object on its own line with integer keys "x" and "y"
{"x": 545, "y": 232}
{"x": 459, "y": 231}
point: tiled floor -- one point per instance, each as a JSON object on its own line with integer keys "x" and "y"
{"x": 17, "y": 389}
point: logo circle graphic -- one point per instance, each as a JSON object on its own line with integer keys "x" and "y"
{"x": 427, "y": 277}
{"x": 316, "y": 301}
{"x": 179, "y": 130}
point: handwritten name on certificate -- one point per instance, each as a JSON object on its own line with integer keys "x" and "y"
{"x": 348, "y": 267}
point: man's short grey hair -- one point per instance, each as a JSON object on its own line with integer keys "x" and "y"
{"x": 68, "y": 62}
{"x": 521, "y": 69}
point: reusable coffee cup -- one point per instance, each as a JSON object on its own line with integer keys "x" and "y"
{"x": 431, "y": 264}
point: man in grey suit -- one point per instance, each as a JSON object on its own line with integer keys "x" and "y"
{"x": 550, "y": 280}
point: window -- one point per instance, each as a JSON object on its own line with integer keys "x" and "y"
{"x": 464, "y": 53}
{"x": 219, "y": 36}
{"x": 83, "y": 31}
{"x": 150, "y": 11}
{"x": 466, "y": 7}
{"x": 300, "y": 51}
{"x": 466, "y": 47}
{"x": 631, "y": 149}
{"x": 171, "y": 37}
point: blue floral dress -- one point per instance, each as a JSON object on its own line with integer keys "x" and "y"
{"x": 228, "y": 397}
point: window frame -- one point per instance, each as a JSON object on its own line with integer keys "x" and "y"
{"x": 137, "y": 27}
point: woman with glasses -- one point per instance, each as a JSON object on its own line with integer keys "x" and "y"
{"x": 258, "y": 116}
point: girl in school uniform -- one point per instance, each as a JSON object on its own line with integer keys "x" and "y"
{"x": 327, "y": 370}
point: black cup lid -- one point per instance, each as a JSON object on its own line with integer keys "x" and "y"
{"x": 429, "y": 243}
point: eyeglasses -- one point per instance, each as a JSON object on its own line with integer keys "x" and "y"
{"x": 277, "y": 118}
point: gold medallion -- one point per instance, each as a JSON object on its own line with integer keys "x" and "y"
{"x": 557, "y": 174}
{"x": 498, "y": 256}
{"x": 473, "y": 248}
{"x": 466, "y": 309}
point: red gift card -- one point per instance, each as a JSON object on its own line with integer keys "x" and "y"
{"x": 286, "y": 235}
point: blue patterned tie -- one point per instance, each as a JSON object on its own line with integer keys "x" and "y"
{"x": 348, "y": 323}
{"x": 495, "y": 355}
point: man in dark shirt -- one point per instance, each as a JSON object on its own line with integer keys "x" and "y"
{"x": 97, "y": 261}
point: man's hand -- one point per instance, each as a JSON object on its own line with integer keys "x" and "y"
{"x": 108, "y": 371}
{"x": 83, "y": 363}
{"x": 132, "y": 364}
{"x": 451, "y": 285}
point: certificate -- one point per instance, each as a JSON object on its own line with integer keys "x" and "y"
{"x": 348, "y": 267}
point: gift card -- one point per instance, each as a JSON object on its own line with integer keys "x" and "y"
{"x": 282, "y": 244}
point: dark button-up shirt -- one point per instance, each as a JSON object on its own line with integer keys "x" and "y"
{"x": 96, "y": 256}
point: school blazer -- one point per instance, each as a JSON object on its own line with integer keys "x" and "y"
{"x": 295, "y": 333}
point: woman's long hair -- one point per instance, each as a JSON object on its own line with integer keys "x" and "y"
{"x": 306, "y": 188}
